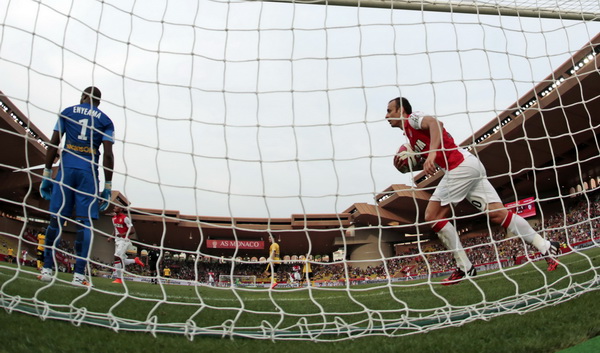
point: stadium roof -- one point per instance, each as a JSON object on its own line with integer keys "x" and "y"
{"x": 541, "y": 146}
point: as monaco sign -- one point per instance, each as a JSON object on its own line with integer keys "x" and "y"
{"x": 524, "y": 208}
{"x": 232, "y": 244}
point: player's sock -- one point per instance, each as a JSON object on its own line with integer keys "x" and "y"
{"x": 138, "y": 261}
{"x": 128, "y": 261}
{"x": 118, "y": 271}
{"x": 82, "y": 243}
{"x": 520, "y": 227}
{"x": 52, "y": 232}
{"x": 449, "y": 237}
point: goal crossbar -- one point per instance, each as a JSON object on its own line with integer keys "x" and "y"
{"x": 452, "y": 7}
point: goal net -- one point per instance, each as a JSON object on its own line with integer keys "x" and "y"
{"x": 245, "y": 129}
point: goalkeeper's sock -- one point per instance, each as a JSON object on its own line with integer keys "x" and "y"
{"x": 520, "y": 227}
{"x": 52, "y": 233}
{"x": 449, "y": 237}
{"x": 82, "y": 243}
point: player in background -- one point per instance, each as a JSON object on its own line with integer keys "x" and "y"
{"x": 123, "y": 232}
{"x": 273, "y": 261}
{"x": 406, "y": 270}
{"x": 307, "y": 270}
{"x": 464, "y": 177}
{"x": 75, "y": 187}
{"x": 167, "y": 274}
{"x": 152, "y": 263}
{"x": 41, "y": 238}
{"x": 10, "y": 256}
{"x": 211, "y": 279}
{"x": 295, "y": 276}
{"x": 23, "y": 256}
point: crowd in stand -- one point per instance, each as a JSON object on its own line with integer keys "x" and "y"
{"x": 574, "y": 226}
{"x": 571, "y": 227}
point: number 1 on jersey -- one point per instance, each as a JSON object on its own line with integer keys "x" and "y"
{"x": 84, "y": 125}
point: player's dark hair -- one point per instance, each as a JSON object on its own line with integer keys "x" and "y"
{"x": 95, "y": 95}
{"x": 403, "y": 102}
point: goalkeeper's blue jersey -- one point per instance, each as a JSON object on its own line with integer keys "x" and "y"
{"x": 85, "y": 128}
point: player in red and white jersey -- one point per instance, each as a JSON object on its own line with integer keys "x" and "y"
{"x": 123, "y": 231}
{"x": 464, "y": 178}
{"x": 295, "y": 276}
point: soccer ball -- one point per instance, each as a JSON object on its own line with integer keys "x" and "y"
{"x": 407, "y": 160}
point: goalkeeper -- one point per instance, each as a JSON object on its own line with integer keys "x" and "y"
{"x": 464, "y": 178}
{"x": 75, "y": 187}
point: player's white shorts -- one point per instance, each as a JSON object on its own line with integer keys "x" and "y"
{"x": 121, "y": 246}
{"x": 467, "y": 181}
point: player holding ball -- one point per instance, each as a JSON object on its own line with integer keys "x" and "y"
{"x": 464, "y": 178}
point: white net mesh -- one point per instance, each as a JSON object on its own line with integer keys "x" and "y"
{"x": 248, "y": 112}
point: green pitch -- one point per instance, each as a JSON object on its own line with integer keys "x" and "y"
{"x": 320, "y": 314}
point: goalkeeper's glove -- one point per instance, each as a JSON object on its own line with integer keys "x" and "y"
{"x": 46, "y": 186}
{"x": 105, "y": 196}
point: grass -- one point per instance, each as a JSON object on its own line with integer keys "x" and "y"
{"x": 559, "y": 310}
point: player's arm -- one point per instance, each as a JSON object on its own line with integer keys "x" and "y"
{"x": 52, "y": 151}
{"x": 113, "y": 235}
{"x": 435, "y": 128}
{"x": 51, "y": 154}
{"x": 108, "y": 164}
{"x": 130, "y": 229}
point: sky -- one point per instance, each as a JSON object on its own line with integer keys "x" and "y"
{"x": 251, "y": 109}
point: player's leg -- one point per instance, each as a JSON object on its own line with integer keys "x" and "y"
{"x": 153, "y": 271}
{"x": 61, "y": 203}
{"x": 454, "y": 187}
{"x": 448, "y": 235}
{"x": 139, "y": 262}
{"x": 136, "y": 260}
{"x": 120, "y": 249}
{"x": 484, "y": 197}
{"x": 437, "y": 213}
{"x": 520, "y": 227}
{"x": 274, "y": 268}
{"x": 82, "y": 248}
{"x": 117, "y": 271}
{"x": 52, "y": 240}
{"x": 86, "y": 210}
{"x": 40, "y": 259}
